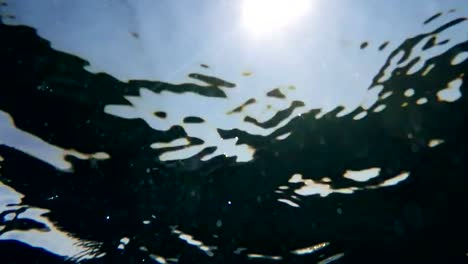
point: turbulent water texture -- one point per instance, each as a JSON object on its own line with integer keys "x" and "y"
{"x": 91, "y": 171}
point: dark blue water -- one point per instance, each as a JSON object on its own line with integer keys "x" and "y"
{"x": 298, "y": 200}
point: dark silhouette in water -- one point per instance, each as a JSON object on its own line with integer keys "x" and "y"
{"x": 276, "y": 93}
{"x": 432, "y": 18}
{"x": 364, "y": 45}
{"x": 383, "y": 45}
{"x": 233, "y": 205}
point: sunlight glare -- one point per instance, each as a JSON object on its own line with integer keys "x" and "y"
{"x": 264, "y": 17}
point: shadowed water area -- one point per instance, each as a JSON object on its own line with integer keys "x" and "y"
{"x": 385, "y": 182}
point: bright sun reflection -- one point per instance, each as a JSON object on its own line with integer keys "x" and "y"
{"x": 264, "y": 17}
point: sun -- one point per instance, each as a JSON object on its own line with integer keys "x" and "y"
{"x": 266, "y": 17}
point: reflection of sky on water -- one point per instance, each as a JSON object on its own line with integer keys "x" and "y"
{"x": 329, "y": 52}
{"x": 319, "y": 53}
{"x": 48, "y": 236}
{"x": 163, "y": 40}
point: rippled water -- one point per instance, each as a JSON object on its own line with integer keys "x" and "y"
{"x": 92, "y": 170}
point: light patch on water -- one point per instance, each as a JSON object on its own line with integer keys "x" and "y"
{"x": 8, "y": 197}
{"x": 36, "y": 147}
{"x": 296, "y": 178}
{"x": 387, "y": 73}
{"x": 360, "y": 115}
{"x": 239, "y": 250}
{"x": 386, "y": 95}
{"x": 147, "y": 103}
{"x": 321, "y": 114}
{"x": 395, "y": 180}
{"x": 283, "y": 187}
{"x": 261, "y": 256}
{"x": 1, "y": 158}
{"x": 311, "y": 187}
{"x": 331, "y": 259}
{"x": 174, "y": 143}
{"x": 435, "y": 142}
{"x": 428, "y": 69}
{"x": 100, "y": 156}
{"x": 311, "y": 249}
{"x": 459, "y": 58}
{"x": 362, "y": 175}
{"x": 452, "y": 92}
{"x": 345, "y": 111}
{"x": 409, "y": 92}
{"x": 416, "y": 67}
{"x": 181, "y": 153}
{"x": 371, "y": 97}
{"x": 421, "y": 53}
{"x": 288, "y": 202}
{"x": 158, "y": 259}
{"x": 295, "y": 197}
{"x": 143, "y": 248}
{"x": 51, "y": 239}
{"x": 421, "y": 101}
{"x": 380, "y": 108}
{"x": 244, "y": 152}
{"x": 125, "y": 240}
{"x": 424, "y": 54}
{"x": 9, "y": 217}
{"x": 284, "y": 136}
{"x": 197, "y": 243}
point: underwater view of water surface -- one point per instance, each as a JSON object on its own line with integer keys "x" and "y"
{"x": 247, "y": 131}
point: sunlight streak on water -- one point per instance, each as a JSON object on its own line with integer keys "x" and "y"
{"x": 37, "y": 147}
{"x": 49, "y": 237}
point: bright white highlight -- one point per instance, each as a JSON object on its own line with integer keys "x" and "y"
{"x": 263, "y": 17}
